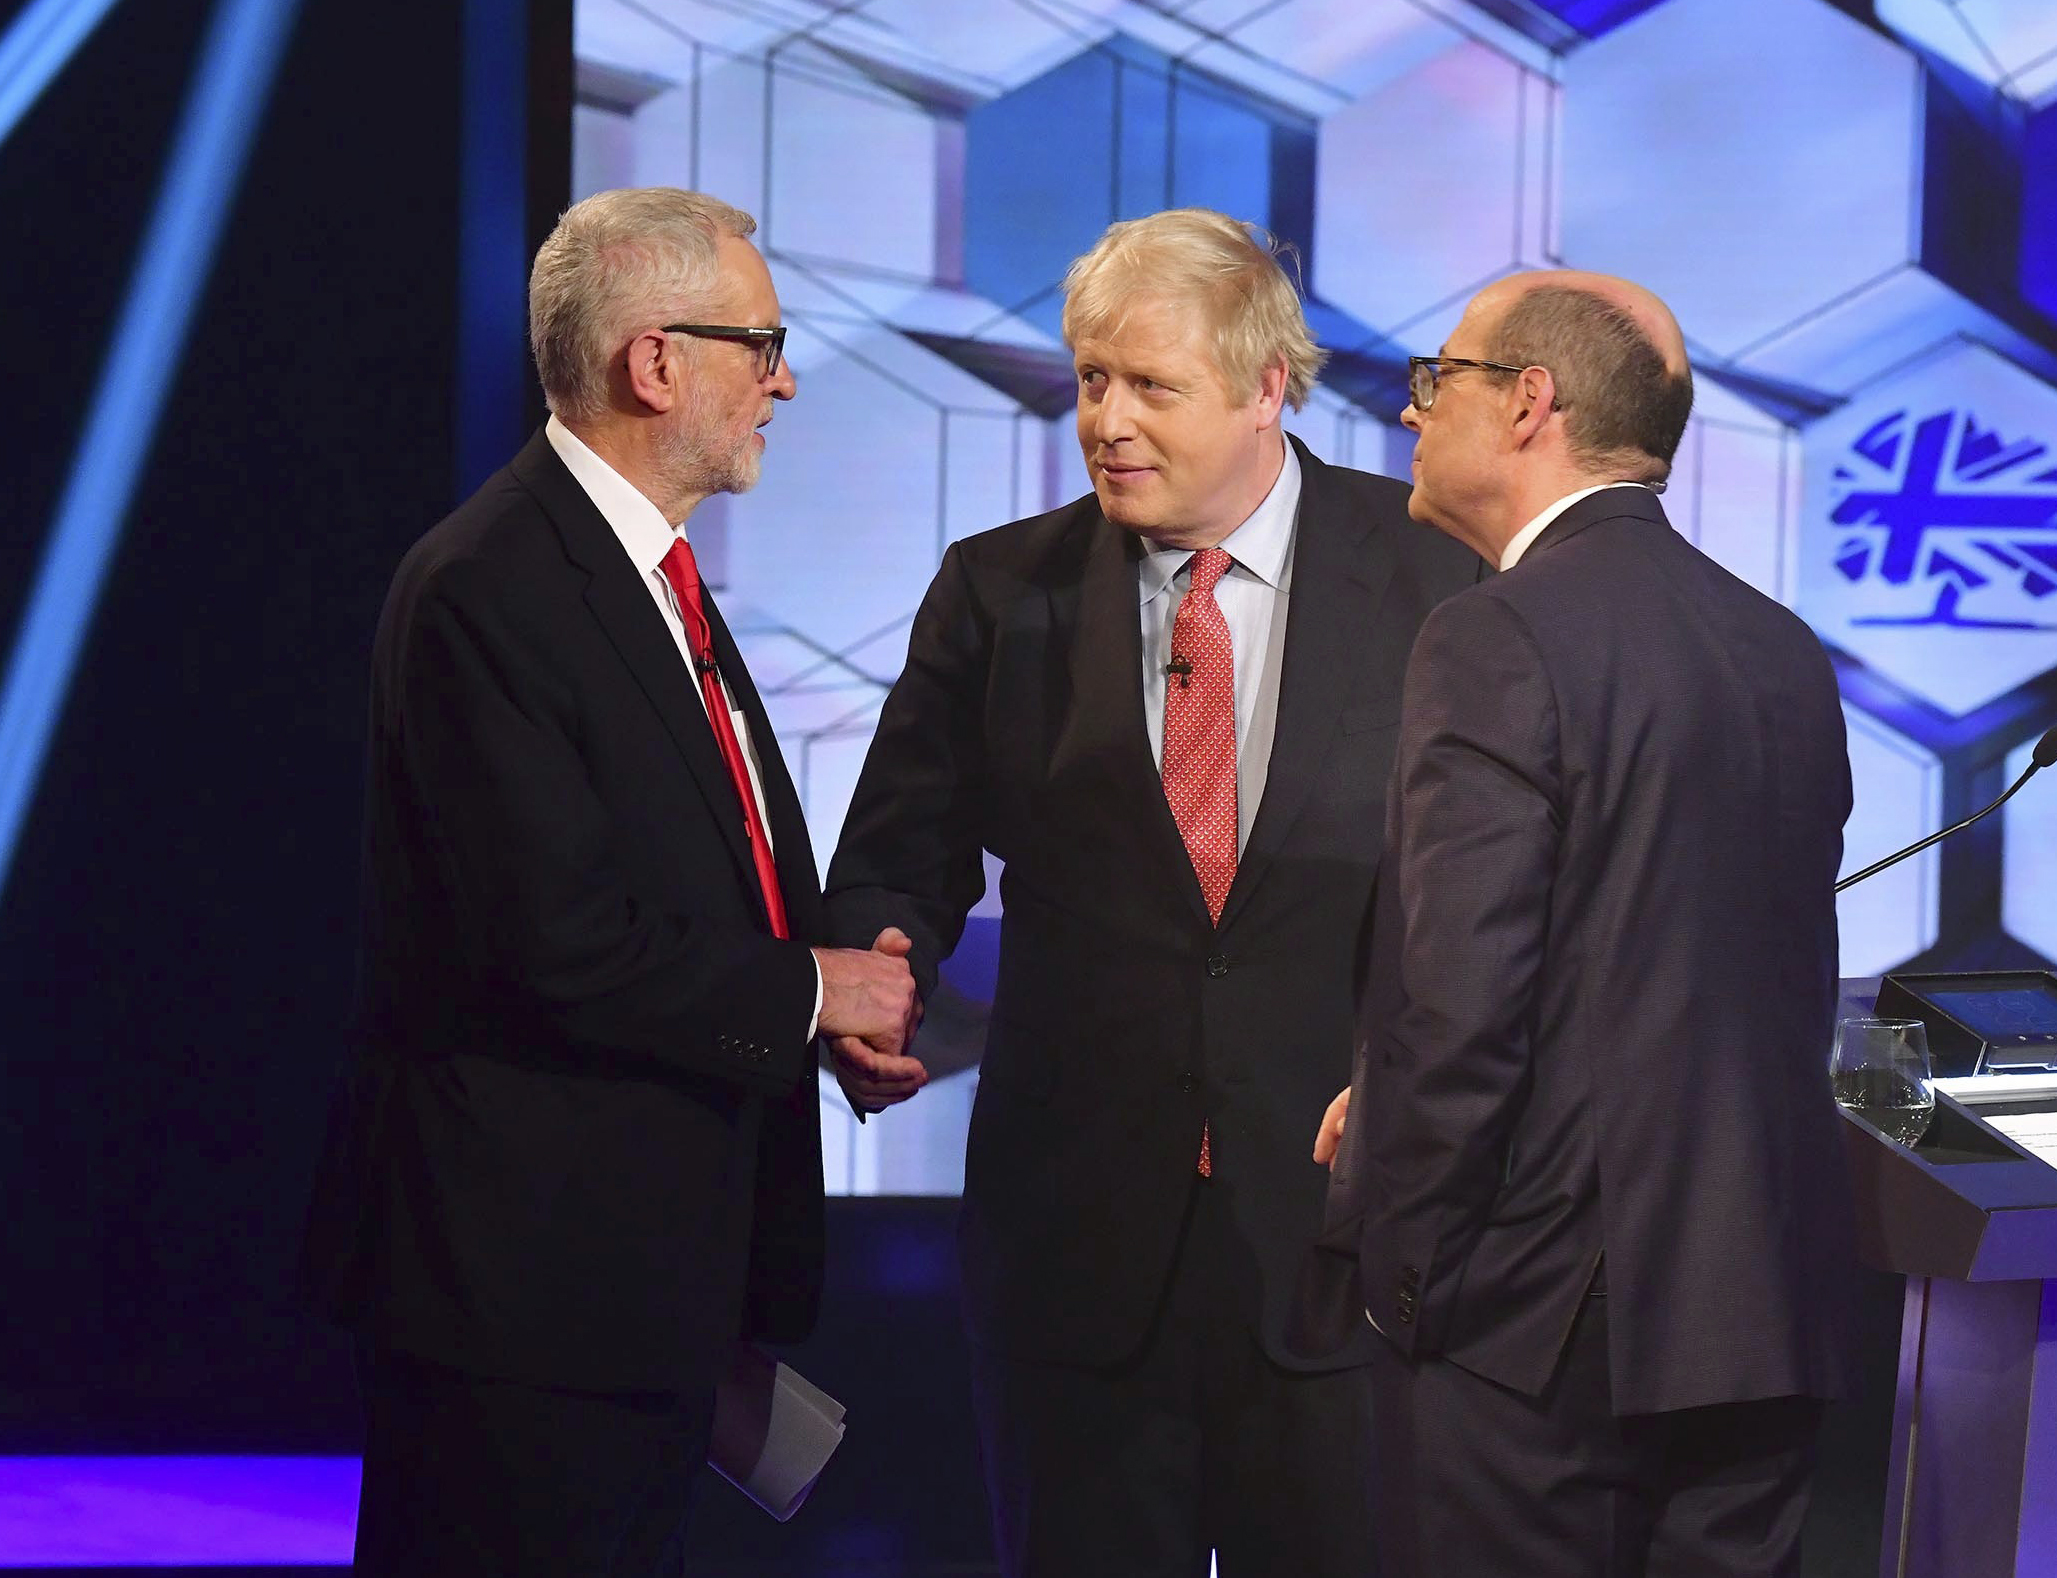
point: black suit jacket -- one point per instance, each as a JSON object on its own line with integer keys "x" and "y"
{"x": 1604, "y": 980}
{"x": 1123, "y": 1019}
{"x": 579, "y": 1143}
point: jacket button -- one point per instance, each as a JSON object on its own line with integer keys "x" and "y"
{"x": 1217, "y": 965}
{"x": 1410, "y": 1277}
{"x": 1406, "y": 1317}
{"x": 1189, "y": 1083}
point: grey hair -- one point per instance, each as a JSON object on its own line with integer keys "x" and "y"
{"x": 617, "y": 263}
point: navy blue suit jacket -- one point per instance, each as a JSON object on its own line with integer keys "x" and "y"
{"x": 1603, "y": 980}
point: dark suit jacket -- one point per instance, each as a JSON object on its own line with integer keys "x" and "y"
{"x": 579, "y": 1143}
{"x": 1123, "y": 1019}
{"x": 1604, "y": 980}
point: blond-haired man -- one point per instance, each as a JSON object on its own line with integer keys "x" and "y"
{"x": 1168, "y": 707}
{"x": 578, "y": 1155}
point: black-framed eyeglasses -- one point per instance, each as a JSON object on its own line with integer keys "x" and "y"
{"x": 772, "y": 339}
{"x": 1423, "y": 371}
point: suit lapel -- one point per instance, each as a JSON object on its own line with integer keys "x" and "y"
{"x": 1338, "y": 581}
{"x": 794, "y": 852}
{"x": 1106, "y": 724}
{"x": 619, "y": 601}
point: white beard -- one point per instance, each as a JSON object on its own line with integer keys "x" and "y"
{"x": 690, "y": 457}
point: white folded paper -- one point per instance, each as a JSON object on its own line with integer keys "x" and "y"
{"x": 774, "y": 1431}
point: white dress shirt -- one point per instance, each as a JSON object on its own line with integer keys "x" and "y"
{"x": 1252, "y": 598}
{"x": 646, "y": 537}
{"x": 1510, "y": 555}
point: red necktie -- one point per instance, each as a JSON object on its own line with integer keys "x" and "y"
{"x": 1200, "y": 742}
{"x": 683, "y": 572}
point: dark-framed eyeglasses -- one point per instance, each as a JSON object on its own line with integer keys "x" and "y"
{"x": 1423, "y": 371}
{"x": 772, "y": 339}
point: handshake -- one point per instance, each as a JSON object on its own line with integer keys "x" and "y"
{"x": 869, "y": 1012}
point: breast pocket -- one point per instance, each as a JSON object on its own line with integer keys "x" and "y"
{"x": 1344, "y": 814}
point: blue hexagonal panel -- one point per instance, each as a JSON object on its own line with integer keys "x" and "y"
{"x": 2038, "y": 248}
{"x": 1899, "y": 800}
{"x": 1120, "y": 130}
{"x": 1776, "y": 197}
{"x": 1400, "y": 243}
{"x": 1929, "y": 531}
{"x": 1854, "y": 216}
{"x": 2029, "y": 864}
{"x": 1596, "y": 18}
{"x": 2010, "y": 45}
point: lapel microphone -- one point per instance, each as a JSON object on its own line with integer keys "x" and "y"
{"x": 2044, "y": 754}
{"x": 1183, "y": 668}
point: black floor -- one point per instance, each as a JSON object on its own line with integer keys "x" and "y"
{"x": 903, "y": 1498}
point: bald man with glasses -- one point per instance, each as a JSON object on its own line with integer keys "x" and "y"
{"x": 1589, "y": 1176}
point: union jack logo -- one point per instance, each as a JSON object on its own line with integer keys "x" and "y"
{"x": 1943, "y": 502}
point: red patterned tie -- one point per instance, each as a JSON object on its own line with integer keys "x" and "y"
{"x": 1200, "y": 742}
{"x": 683, "y": 572}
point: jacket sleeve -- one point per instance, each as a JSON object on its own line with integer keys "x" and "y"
{"x": 911, "y": 852}
{"x": 481, "y": 733}
{"x": 1474, "y": 831}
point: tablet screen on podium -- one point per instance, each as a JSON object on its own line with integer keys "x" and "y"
{"x": 2020, "y": 1011}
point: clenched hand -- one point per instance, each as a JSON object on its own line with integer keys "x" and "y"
{"x": 869, "y": 1012}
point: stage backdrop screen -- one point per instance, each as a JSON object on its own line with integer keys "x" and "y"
{"x": 1851, "y": 206}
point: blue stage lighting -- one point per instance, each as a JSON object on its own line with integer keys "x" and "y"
{"x": 35, "y": 48}
{"x": 237, "y": 63}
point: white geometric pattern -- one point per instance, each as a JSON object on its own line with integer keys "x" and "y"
{"x": 1770, "y": 166}
{"x": 2011, "y": 44}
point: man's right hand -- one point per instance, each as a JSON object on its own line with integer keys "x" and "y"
{"x": 1330, "y": 1139}
{"x": 869, "y": 993}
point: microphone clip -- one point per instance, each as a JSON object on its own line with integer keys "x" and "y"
{"x": 1183, "y": 668}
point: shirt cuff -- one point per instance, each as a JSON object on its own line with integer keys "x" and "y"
{"x": 814, "y": 1024}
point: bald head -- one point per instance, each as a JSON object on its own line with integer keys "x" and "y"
{"x": 1617, "y": 357}
{"x": 1640, "y": 306}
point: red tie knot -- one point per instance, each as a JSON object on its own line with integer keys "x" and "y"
{"x": 1209, "y": 565}
{"x": 680, "y": 567}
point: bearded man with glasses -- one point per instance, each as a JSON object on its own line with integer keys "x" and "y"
{"x": 577, "y": 1158}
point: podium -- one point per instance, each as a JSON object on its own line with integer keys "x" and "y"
{"x": 1969, "y": 1217}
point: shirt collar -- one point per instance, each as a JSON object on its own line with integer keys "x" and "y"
{"x": 1260, "y": 545}
{"x": 1510, "y": 555}
{"x": 646, "y": 536}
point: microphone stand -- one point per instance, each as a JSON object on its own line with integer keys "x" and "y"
{"x": 2045, "y": 754}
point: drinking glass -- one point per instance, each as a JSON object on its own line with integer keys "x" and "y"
{"x": 1880, "y": 1071}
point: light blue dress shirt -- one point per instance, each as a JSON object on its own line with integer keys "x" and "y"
{"x": 1252, "y": 598}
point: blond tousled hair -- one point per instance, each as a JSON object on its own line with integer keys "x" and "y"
{"x": 617, "y": 263}
{"x": 1226, "y": 267}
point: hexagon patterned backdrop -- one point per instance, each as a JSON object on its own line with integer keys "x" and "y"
{"x": 1851, "y": 204}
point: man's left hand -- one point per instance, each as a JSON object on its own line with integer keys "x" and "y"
{"x": 874, "y": 1080}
